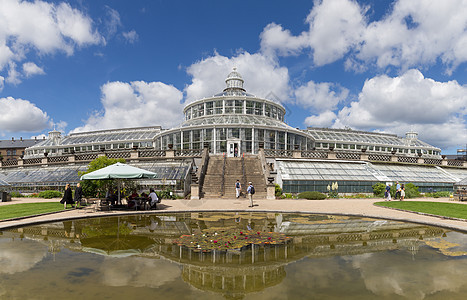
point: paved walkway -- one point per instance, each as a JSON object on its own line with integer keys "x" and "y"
{"x": 355, "y": 207}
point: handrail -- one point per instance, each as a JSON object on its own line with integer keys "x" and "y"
{"x": 264, "y": 165}
{"x": 222, "y": 191}
{"x": 204, "y": 167}
{"x": 244, "y": 185}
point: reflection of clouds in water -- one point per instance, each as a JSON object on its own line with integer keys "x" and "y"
{"x": 138, "y": 272}
{"x": 398, "y": 274}
{"x": 19, "y": 256}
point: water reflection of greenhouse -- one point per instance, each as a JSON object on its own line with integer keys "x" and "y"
{"x": 233, "y": 272}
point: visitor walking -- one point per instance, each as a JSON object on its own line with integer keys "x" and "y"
{"x": 387, "y": 193}
{"x": 398, "y": 190}
{"x": 251, "y": 191}
{"x": 67, "y": 196}
{"x": 402, "y": 193}
{"x": 238, "y": 187}
{"x": 78, "y": 195}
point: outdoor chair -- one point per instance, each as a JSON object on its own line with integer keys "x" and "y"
{"x": 103, "y": 205}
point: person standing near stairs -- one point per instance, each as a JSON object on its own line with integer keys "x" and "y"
{"x": 251, "y": 191}
{"x": 238, "y": 188}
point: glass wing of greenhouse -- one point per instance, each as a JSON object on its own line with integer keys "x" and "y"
{"x": 343, "y": 135}
{"x": 358, "y": 177}
{"x": 168, "y": 173}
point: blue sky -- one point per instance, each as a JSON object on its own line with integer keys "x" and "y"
{"x": 384, "y": 66}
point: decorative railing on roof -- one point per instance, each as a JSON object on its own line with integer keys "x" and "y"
{"x": 432, "y": 161}
{"x": 151, "y": 153}
{"x": 146, "y": 154}
{"x": 118, "y": 154}
{"x": 314, "y": 154}
{"x": 379, "y": 157}
{"x": 277, "y": 153}
{"x": 32, "y": 161}
{"x": 455, "y": 163}
{"x": 58, "y": 159}
{"x": 407, "y": 159}
{"x": 189, "y": 152}
{"x": 11, "y": 162}
{"x": 85, "y": 157}
{"x": 345, "y": 155}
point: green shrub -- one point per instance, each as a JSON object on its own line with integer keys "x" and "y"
{"x": 378, "y": 189}
{"x": 439, "y": 194}
{"x": 289, "y": 196}
{"x": 165, "y": 194}
{"x": 277, "y": 190}
{"x": 312, "y": 195}
{"x": 411, "y": 191}
{"x": 16, "y": 194}
{"x": 49, "y": 194}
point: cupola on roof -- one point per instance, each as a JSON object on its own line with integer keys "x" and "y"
{"x": 234, "y": 81}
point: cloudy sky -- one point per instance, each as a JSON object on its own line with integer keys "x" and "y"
{"x": 376, "y": 65}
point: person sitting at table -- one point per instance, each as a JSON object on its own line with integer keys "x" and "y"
{"x": 132, "y": 199}
{"x": 111, "y": 196}
{"x": 153, "y": 199}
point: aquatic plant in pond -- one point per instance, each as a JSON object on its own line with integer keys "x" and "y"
{"x": 225, "y": 239}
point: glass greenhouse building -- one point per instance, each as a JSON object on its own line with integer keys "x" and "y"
{"x": 235, "y": 122}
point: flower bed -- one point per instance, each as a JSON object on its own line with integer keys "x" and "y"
{"x": 228, "y": 239}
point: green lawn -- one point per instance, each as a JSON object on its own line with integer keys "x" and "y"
{"x": 28, "y": 209}
{"x": 453, "y": 210}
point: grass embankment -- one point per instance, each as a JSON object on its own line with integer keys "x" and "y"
{"x": 28, "y": 209}
{"x": 451, "y": 210}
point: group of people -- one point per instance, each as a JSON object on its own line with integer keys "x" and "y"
{"x": 152, "y": 199}
{"x": 110, "y": 196}
{"x": 400, "y": 192}
{"x": 250, "y": 191}
{"x": 68, "y": 196}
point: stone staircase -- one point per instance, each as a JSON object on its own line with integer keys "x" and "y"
{"x": 212, "y": 187}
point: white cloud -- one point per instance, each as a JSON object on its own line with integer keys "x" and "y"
{"x": 21, "y": 115}
{"x": 31, "y": 69}
{"x": 2, "y": 84}
{"x": 112, "y": 21}
{"x": 275, "y": 38}
{"x": 136, "y": 104}
{"x": 41, "y": 27}
{"x": 130, "y": 36}
{"x": 20, "y": 257}
{"x": 74, "y": 25}
{"x": 413, "y": 33}
{"x": 320, "y": 97}
{"x": 13, "y": 74}
{"x": 325, "y": 119}
{"x": 138, "y": 272}
{"x": 335, "y": 27}
{"x": 437, "y": 110}
{"x": 261, "y": 74}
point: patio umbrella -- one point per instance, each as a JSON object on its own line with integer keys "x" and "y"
{"x": 119, "y": 171}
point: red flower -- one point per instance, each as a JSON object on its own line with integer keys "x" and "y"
{"x": 269, "y": 238}
{"x": 215, "y": 241}
{"x": 258, "y": 232}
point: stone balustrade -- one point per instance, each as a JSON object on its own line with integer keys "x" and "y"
{"x": 147, "y": 154}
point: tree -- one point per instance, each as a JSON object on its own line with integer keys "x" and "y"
{"x": 93, "y": 188}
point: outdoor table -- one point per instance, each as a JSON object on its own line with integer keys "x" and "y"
{"x": 142, "y": 202}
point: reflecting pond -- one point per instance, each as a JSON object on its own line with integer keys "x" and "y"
{"x": 318, "y": 257}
